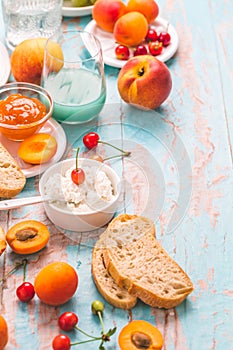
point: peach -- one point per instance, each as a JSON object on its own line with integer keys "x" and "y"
{"x": 107, "y": 12}
{"x": 38, "y": 148}
{"x": 144, "y": 82}
{"x": 148, "y": 8}
{"x": 28, "y": 57}
{"x": 130, "y": 29}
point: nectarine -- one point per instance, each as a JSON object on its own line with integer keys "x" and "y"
{"x": 107, "y": 12}
{"x": 28, "y": 57}
{"x": 130, "y": 29}
{"x": 144, "y": 82}
{"x": 148, "y": 8}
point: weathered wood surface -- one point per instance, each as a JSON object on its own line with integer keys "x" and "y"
{"x": 180, "y": 175}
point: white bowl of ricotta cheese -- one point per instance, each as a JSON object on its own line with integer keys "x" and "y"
{"x": 83, "y": 207}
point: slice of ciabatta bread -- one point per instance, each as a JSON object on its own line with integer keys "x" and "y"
{"x": 143, "y": 267}
{"x": 12, "y": 179}
{"x": 2, "y": 241}
{"x": 113, "y": 294}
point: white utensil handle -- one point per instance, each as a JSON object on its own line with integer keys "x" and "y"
{"x": 18, "y": 202}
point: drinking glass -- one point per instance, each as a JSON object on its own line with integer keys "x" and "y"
{"x": 26, "y": 19}
{"x": 76, "y": 83}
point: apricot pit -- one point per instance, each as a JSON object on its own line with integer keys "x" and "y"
{"x": 27, "y": 237}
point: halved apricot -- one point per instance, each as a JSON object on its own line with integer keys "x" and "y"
{"x": 2, "y": 241}
{"x": 27, "y": 237}
{"x": 3, "y": 332}
{"x": 140, "y": 334}
{"x": 38, "y": 148}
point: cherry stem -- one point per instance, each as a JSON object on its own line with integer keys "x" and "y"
{"x": 101, "y": 321}
{"x": 118, "y": 149}
{"x": 88, "y": 335}
{"x": 17, "y": 265}
{"x": 24, "y": 269}
{"x": 77, "y": 152}
{"x": 85, "y": 341}
{"x": 125, "y": 154}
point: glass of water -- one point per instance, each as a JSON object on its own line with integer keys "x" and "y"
{"x": 25, "y": 19}
{"x": 76, "y": 83}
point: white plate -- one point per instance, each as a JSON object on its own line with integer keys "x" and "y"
{"x": 5, "y": 67}
{"x": 70, "y": 11}
{"x": 108, "y": 43}
{"x": 51, "y": 127}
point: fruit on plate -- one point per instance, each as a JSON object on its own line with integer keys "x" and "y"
{"x": 107, "y": 12}
{"x": 56, "y": 283}
{"x": 130, "y": 29}
{"x": 144, "y": 82}
{"x": 122, "y": 52}
{"x": 140, "y": 334}
{"x": 3, "y": 332}
{"x": 38, "y": 148}
{"x": 27, "y": 237}
{"x": 28, "y": 57}
{"x": 149, "y": 8}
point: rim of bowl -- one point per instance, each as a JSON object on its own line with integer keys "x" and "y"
{"x": 31, "y": 87}
{"x": 69, "y": 212}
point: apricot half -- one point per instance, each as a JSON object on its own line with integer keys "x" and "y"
{"x": 2, "y": 241}
{"x": 38, "y": 148}
{"x": 3, "y": 333}
{"x": 140, "y": 334}
{"x": 27, "y": 237}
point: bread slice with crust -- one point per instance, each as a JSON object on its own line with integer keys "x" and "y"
{"x": 117, "y": 296}
{"x": 12, "y": 179}
{"x": 114, "y": 295}
{"x": 142, "y": 266}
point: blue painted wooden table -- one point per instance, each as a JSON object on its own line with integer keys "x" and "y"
{"x": 180, "y": 175}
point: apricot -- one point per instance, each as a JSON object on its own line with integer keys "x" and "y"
{"x": 107, "y": 12}
{"x": 140, "y": 334}
{"x": 130, "y": 29}
{"x": 56, "y": 283}
{"x": 2, "y": 241}
{"x": 28, "y": 57}
{"x": 148, "y": 8}
{"x": 3, "y": 333}
{"x": 38, "y": 148}
{"x": 27, "y": 237}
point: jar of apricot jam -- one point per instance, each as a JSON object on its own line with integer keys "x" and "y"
{"x": 17, "y": 109}
{"x": 24, "y": 109}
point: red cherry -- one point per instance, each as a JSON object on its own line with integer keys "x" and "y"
{"x": 25, "y": 292}
{"x": 77, "y": 174}
{"x": 155, "y": 47}
{"x": 67, "y": 321}
{"x": 151, "y": 35}
{"x": 165, "y": 38}
{"x": 61, "y": 342}
{"x": 140, "y": 50}
{"x": 122, "y": 52}
{"x": 91, "y": 139}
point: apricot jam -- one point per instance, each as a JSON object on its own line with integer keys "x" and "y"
{"x": 18, "y": 109}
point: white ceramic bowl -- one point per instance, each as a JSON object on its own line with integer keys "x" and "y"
{"x": 65, "y": 217}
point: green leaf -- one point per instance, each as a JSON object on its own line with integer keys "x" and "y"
{"x": 111, "y": 332}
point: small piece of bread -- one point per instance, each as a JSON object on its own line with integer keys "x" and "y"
{"x": 113, "y": 294}
{"x": 142, "y": 266}
{"x": 12, "y": 179}
{"x": 2, "y": 241}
